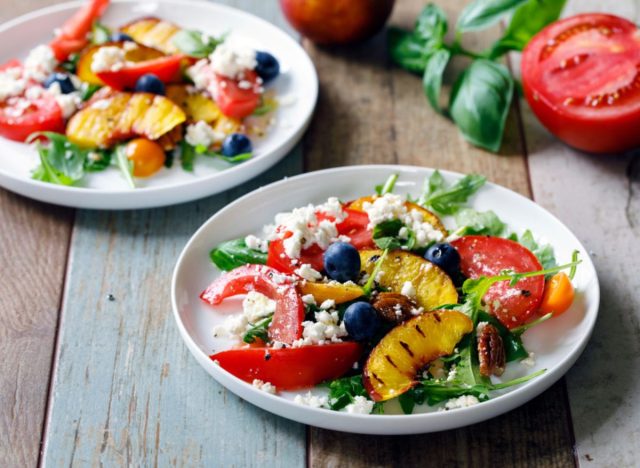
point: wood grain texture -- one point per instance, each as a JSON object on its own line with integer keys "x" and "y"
{"x": 370, "y": 112}
{"x": 598, "y": 197}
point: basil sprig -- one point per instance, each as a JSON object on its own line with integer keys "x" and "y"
{"x": 483, "y": 92}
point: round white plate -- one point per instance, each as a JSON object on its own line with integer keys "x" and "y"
{"x": 297, "y": 86}
{"x": 556, "y": 343}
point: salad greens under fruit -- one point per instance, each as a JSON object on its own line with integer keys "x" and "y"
{"x": 375, "y": 299}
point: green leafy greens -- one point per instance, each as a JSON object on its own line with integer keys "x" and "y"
{"x": 343, "y": 391}
{"x": 235, "y": 253}
{"x": 448, "y": 200}
{"x": 260, "y": 330}
{"x": 195, "y": 43}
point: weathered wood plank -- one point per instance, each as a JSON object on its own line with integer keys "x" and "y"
{"x": 598, "y": 197}
{"x": 369, "y": 112}
{"x": 34, "y": 241}
{"x": 126, "y": 390}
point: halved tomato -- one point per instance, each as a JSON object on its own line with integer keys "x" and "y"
{"x": 489, "y": 256}
{"x": 237, "y": 98}
{"x": 21, "y": 117}
{"x": 581, "y": 77}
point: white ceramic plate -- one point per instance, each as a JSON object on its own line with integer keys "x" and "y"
{"x": 557, "y": 343}
{"x": 298, "y": 84}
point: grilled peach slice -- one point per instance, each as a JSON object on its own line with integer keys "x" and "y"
{"x": 133, "y": 53}
{"x": 391, "y": 367}
{"x": 153, "y": 32}
{"x": 122, "y": 116}
{"x": 196, "y": 105}
{"x": 427, "y": 215}
{"x": 336, "y": 291}
{"x": 433, "y": 287}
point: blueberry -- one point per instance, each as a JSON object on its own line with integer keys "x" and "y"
{"x": 235, "y": 144}
{"x": 446, "y": 257}
{"x": 150, "y": 83}
{"x": 342, "y": 262}
{"x": 361, "y": 321}
{"x": 120, "y": 37}
{"x": 268, "y": 67}
{"x": 63, "y": 80}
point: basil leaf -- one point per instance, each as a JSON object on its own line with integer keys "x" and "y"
{"x": 486, "y": 223}
{"x": 528, "y": 19}
{"x": 431, "y": 24}
{"x": 432, "y": 78}
{"x": 235, "y": 253}
{"x": 449, "y": 200}
{"x": 195, "y": 44}
{"x": 483, "y": 13}
{"x": 480, "y": 102}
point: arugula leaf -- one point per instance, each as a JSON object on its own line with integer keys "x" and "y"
{"x": 480, "y": 101}
{"x": 544, "y": 253}
{"x": 187, "y": 156}
{"x": 100, "y": 33}
{"x": 449, "y": 200}
{"x": 71, "y": 64}
{"x": 125, "y": 165}
{"x": 97, "y": 160}
{"x": 388, "y": 186}
{"x": 486, "y": 223}
{"x": 386, "y": 235}
{"x": 265, "y": 107}
{"x": 61, "y": 162}
{"x": 411, "y": 49}
{"x": 234, "y": 253}
{"x": 195, "y": 43}
{"x": 411, "y": 398}
{"x": 88, "y": 90}
{"x": 260, "y": 330}
{"x": 367, "y": 288}
{"x": 528, "y": 19}
{"x": 432, "y": 77}
{"x": 344, "y": 390}
{"x": 483, "y": 13}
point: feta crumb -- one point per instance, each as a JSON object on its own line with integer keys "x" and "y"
{"x": 327, "y": 304}
{"x": 200, "y": 74}
{"x": 256, "y": 306}
{"x": 529, "y": 361}
{"x": 309, "y": 299}
{"x": 278, "y": 345}
{"x": 201, "y": 134}
{"x": 108, "y": 58}
{"x": 314, "y": 401}
{"x": 480, "y": 327}
{"x": 11, "y": 83}
{"x": 408, "y": 290}
{"x": 231, "y": 59}
{"x": 326, "y": 328}
{"x": 264, "y": 386}
{"x": 256, "y": 243}
{"x": 40, "y": 63}
{"x": 453, "y": 373}
{"x": 307, "y": 272}
{"x": 461, "y": 402}
{"x": 360, "y": 405}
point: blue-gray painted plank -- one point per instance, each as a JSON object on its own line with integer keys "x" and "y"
{"x": 126, "y": 390}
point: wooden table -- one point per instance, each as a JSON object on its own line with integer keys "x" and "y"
{"x": 86, "y": 380}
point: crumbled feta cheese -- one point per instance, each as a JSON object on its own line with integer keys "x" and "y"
{"x": 309, "y": 299}
{"x": 408, "y": 290}
{"x": 11, "y": 83}
{"x": 68, "y": 103}
{"x": 278, "y": 345}
{"x": 453, "y": 373}
{"x": 325, "y": 329}
{"x": 233, "y": 327}
{"x": 307, "y": 272}
{"x": 34, "y": 92}
{"x": 201, "y": 75}
{"x": 256, "y": 243}
{"x": 256, "y": 306}
{"x": 360, "y": 405}
{"x": 461, "y": 402}
{"x": 480, "y": 327}
{"x": 264, "y": 386}
{"x": 529, "y": 361}
{"x": 314, "y": 401}
{"x": 40, "y": 63}
{"x": 332, "y": 207}
{"x": 327, "y": 304}
{"x": 231, "y": 59}
{"x": 108, "y": 58}
{"x": 201, "y": 134}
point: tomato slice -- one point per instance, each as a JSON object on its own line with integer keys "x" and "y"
{"x": 278, "y": 259}
{"x": 355, "y": 226}
{"x": 73, "y": 33}
{"x": 581, "y": 77}
{"x": 291, "y": 368}
{"x": 489, "y": 256}
{"x": 20, "y": 117}
{"x": 235, "y": 101}
{"x": 286, "y": 325}
{"x": 165, "y": 68}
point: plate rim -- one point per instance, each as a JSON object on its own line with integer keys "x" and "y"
{"x": 340, "y": 420}
{"x": 50, "y": 192}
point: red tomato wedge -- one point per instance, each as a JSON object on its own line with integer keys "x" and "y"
{"x": 73, "y": 33}
{"x": 489, "y": 256}
{"x": 286, "y": 325}
{"x": 355, "y": 226}
{"x": 581, "y": 77}
{"x": 20, "y": 117}
{"x": 167, "y": 69}
{"x": 291, "y": 368}
{"x": 278, "y": 259}
{"x": 234, "y": 100}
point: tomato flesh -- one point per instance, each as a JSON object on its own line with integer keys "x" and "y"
{"x": 286, "y": 325}
{"x": 235, "y": 101}
{"x": 165, "y": 68}
{"x": 20, "y": 117}
{"x": 356, "y": 227}
{"x": 291, "y": 368}
{"x": 73, "y": 33}
{"x": 489, "y": 256}
{"x": 278, "y": 259}
{"x": 581, "y": 77}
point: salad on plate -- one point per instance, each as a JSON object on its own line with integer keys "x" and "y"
{"x": 374, "y": 300}
{"x": 135, "y": 96}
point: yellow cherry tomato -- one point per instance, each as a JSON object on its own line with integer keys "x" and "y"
{"x": 558, "y": 295}
{"x": 148, "y": 156}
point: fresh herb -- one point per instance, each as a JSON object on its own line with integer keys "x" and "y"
{"x": 511, "y": 339}
{"x": 409, "y": 399}
{"x": 386, "y": 235}
{"x": 544, "y": 253}
{"x": 100, "y": 33}
{"x": 343, "y": 391}
{"x": 88, "y": 90}
{"x": 472, "y": 222}
{"x": 187, "y": 156}
{"x": 574, "y": 259}
{"x": 61, "y": 162}
{"x": 448, "y": 200}
{"x": 195, "y": 43}
{"x": 259, "y": 330}
{"x": 265, "y": 107}
{"x": 125, "y": 165}
{"x": 388, "y": 186}
{"x": 97, "y": 160}
{"x": 169, "y": 157}
{"x": 518, "y": 331}
{"x": 235, "y": 253}
{"x": 481, "y": 96}
{"x": 71, "y": 64}
{"x": 368, "y": 287}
